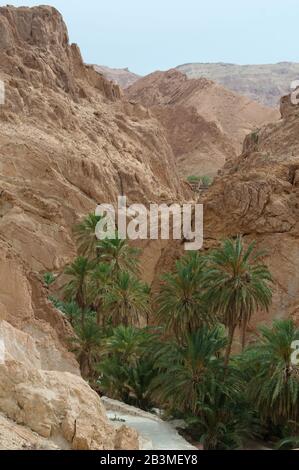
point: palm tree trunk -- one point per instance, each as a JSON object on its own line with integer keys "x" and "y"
{"x": 231, "y": 334}
{"x": 84, "y": 366}
{"x": 244, "y": 328}
{"x": 80, "y": 302}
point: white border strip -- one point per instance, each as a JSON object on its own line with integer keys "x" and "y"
{"x": 2, "y": 93}
{"x": 2, "y": 352}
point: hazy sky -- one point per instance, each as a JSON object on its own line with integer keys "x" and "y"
{"x": 147, "y": 35}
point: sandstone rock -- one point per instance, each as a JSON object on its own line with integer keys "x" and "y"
{"x": 205, "y": 123}
{"x": 126, "y": 438}
{"x": 257, "y": 196}
{"x": 58, "y": 406}
{"x": 15, "y": 437}
{"x": 68, "y": 141}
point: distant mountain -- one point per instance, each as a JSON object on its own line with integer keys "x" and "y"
{"x": 206, "y": 123}
{"x": 263, "y": 83}
{"x": 123, "y": 77}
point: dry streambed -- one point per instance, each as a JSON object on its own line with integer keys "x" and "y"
{"x": 155, "y": 434}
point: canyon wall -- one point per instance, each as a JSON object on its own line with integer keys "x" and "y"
{"x": 68, "y": 141}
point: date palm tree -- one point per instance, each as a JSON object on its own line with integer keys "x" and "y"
{"x": 119, "y": 254}
{"x": 128, "y": 342}
{"x": 237, "y": 285}
{"x": 72, "y": 311}
{"x": 87, "y": 345}
{"x": 180, "y": 304}
{"x": 99, "y": 282}
{"x": 126, "y": 370}
{"x": 85, "y": 234}
{"x": 127, "y": 300}
{"x": 76, "y": 287}
{"x": 190, "y": 374}
{"x": 274, "y": 384}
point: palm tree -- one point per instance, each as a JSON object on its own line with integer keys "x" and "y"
{"x": 49, "y": 279}
{"x": 237, "y": 285}
{"x": 85, "y": 233}
{"x": 179, "y": 304}
{"x": 289, "y": 443}
{"x": 190, "y": 374}
{"x": 72, "y": 311}
{"x": 223, "y": 424}
{"x": 98, "y": 286}
{"x": 87, "y": 344}
{"x": 274, "y": 384}
{"x": 76, "y": 287}
{"x": 127, "y": 370}
{"x": 119, "y": 254}
{"x": 127, "y": 300}
{"x": 128, "y": 342}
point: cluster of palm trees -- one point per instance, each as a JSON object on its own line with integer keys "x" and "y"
{"x": 174, "y": 349}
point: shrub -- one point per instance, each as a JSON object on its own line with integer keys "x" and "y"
{"x": 49, "y": 279}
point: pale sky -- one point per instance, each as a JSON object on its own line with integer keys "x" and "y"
{"x": 148, "y": 35}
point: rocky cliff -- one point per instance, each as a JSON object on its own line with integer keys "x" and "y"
{"x": 257, "y": 195}
{"x": 68, "y": 140}
{"x": 205, "y": 123}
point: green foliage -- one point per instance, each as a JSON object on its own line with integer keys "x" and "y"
{"x": 288, "y": 443}
{"x": 274, "y": 384}
{"x": 221, "y": 425}
{"x": 58, "y": 304}
{"x": 255, "y": 136}
{"x": 127, "y": 368}
{"x": 72, "y": 311}
{"x": 237, "y": 285}
{"x": 193, "y": 179}
{"x": 180, "y": 305}
{"x": 86, "y": 344}
{"x": 49, "y": 279}
{"x": 206, "y": 181}
{"x": 76, "y": 287}
{"x": 85, "y": 234}
{"x": 126, "y": 300}
{"x": 99, "y": 284}
{"x": 119, "y": 255}
{"x": 190, "y": 373}
{"x": 184, "y": 366}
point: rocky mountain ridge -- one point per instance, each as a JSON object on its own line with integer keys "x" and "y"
{"x": 122, "y": 77}
{"x": 205, "y": 123}
{"x": 265, "y": 83}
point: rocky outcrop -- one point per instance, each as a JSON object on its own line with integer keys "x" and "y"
{"x": 123, "y": 77}
{"x": 58, "y": 406}
{"x": 257, "y": 196}
{"x": 16, "y": 437}
{"x": 205, "y": 123}
{"x": 264, "y": 83}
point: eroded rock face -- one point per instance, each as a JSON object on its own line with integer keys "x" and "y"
{"x": 16, "y": 437}
{"x": 58, "y": 406}
{"x": 205, "y": 123}
{"x": 68, "y": 141}
{"x": 257, "y": 196}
